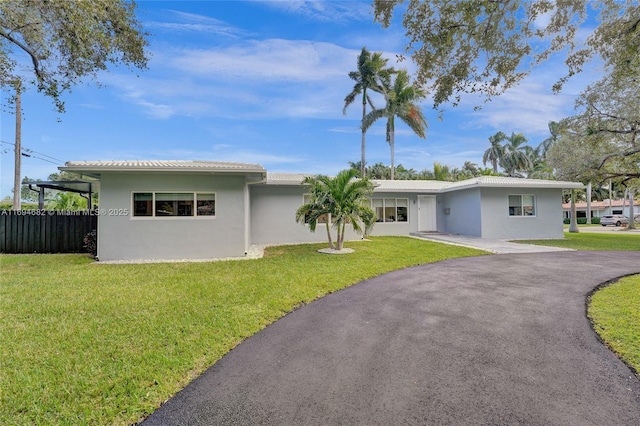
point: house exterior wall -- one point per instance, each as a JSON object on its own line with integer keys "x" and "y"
{"x": 123, "y": 237}
{"x": 496, "y": 222}
{"x": 269, "y": 213}
{"x": 460, "y": 213}
{"x": 273, "y": 213}
{"x": 273, "y": 210}
{"x": 398, "y": 228}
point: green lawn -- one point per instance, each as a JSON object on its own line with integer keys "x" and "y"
{"x": 85, "y": 343}
{"x": 615, "y": 313}
{"x": 593, "y": 241}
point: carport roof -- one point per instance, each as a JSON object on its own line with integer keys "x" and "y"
{"x": 78, "y": 186}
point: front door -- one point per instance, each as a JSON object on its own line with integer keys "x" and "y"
{"x": 427, "y": 213}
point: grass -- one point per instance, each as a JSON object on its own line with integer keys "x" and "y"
{"x": 84, "y": 343}
{"x": 593, "y": 241}
{"x": 615, "y": 313}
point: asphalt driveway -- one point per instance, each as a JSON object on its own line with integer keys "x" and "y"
{"x": 498, "y": 340}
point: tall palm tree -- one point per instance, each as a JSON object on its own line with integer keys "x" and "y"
{"x": 495, "y": 152}
{"x": 402, "y": 98}
{"x": 515, "y": 158}
{"x": 371, "y": 68}
{"x": 538, "y": 168}
{"x": 554, "y": 130}
{"x": 340, "y": 200}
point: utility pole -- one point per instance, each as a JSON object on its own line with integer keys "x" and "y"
{"x": 16, "y": 177}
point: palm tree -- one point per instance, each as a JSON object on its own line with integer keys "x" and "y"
{"x": 379, "y": 171}
{"x": 471, "y": 168}
{"x": 554, "y": 130}
{"x": 339, "y": 201}
{"x": 515, "y": 156}
{"x": 371, "y": 68}
{"x": 538, "y": 168}
{"x": 495, "y": 152}
{"x": 401, "y": 100}
{"x": 441, "y": 172}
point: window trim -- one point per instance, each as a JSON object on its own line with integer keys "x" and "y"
{"x": 384, "y": 207}
{"x": 535, "y": 205}
{"x": 153, "y": 215}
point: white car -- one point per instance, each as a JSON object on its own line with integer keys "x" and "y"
{"x": 614, "y": 219}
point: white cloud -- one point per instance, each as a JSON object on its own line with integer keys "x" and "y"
{"x": 526, "y": 108}
{"x": 257, "y": 79}
{"x": 271, "y": 60}
{"x": 345, "y": 129}
{"x": 189, "y": 22}
{"x": 529, "y": 106}
{"x": 325, "y": 11}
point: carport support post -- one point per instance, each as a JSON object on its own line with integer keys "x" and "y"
{"x": 573, "y": 225}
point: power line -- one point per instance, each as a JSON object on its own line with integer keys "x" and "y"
{"x": 35, "y": 154}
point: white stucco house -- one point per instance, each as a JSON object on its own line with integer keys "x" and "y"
{"x": 205, "y": 210}
{"x": 601, "y": 208}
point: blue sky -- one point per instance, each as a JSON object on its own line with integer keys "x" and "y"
{"x": 263, "y": 82}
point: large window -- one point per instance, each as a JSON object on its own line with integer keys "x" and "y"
{"x": 391, "y": 209}
{"x": 522, "y": 205}
{"x": 173, "y": 204}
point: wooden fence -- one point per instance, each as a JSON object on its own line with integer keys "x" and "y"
{"x": 44, "y": 231}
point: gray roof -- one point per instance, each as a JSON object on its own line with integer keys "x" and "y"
{"x": 435, "y": 186}
{"x": 415, "y": 186}
{"x": 91, "y": 167}
{"x": 285, "y": 178}
{"x": 409, "y": 185}
{"x": 510, "y": 182}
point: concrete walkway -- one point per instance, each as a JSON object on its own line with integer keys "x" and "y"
{"x": 498, "y": 340}
{"x": 493, "y": 246}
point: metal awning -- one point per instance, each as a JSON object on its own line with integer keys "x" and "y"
{"x": 84, "y": 188}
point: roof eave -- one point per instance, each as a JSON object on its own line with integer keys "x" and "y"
{"x": 525, "y": 184}
{"x": 97, "y": 170}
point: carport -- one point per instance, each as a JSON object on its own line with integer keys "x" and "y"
{"x": 84, "y": 188}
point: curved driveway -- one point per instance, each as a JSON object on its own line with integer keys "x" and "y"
{"x": 498, "y": 340}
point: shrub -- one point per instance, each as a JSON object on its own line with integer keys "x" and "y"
{"x": 583, "y": 221}
{"x": 91, "y": 243}
{"x": 23, "y": 206}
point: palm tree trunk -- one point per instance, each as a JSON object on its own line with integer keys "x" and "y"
{"x": 363, "y": 167}
{"x": 340, "y": 242}
{"x": 391, "y": 142}
{"x": 328, "y": 224}
{"x": 573, "y": 224}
